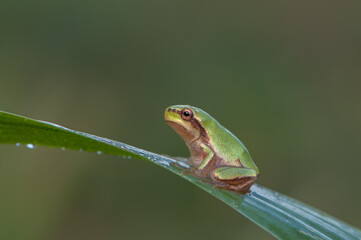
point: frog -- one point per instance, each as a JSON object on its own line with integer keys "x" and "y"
{"x": 215, "y": 153}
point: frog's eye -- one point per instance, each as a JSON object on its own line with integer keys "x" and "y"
{"x": 187, "y": 114}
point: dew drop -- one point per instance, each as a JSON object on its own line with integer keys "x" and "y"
{"x": 80, "y": 150}
{"x": 30, "y": 146}
{"x": 17, "y": 144}
{"x": 99, "y": 152}
{"x": 63, "y": 148}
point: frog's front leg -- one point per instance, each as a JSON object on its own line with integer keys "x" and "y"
{"x": 202, "y": 164}
{"x": 208, "y": 158}
{"x": 235, "y": 178}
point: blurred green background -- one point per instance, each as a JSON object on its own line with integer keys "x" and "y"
{"x": 282, "y": 76}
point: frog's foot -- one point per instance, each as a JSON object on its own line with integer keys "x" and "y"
{"x": 189, "y": 171}
{"x": 198, "y": 174}
{"x": 235, "y": 178}
{"x": 194, "y": 172}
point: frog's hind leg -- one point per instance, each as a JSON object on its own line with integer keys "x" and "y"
{"x": 235, "y": 178}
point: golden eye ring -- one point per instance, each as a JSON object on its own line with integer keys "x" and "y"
{"x": 187, "y": 114}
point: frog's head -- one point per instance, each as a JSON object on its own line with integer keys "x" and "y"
{"x": 189, "y": 122}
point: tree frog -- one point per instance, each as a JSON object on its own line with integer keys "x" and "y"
{"x": 215, "y": 152}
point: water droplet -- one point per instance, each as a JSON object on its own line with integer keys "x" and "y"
{"x": 30, "y": 146}
{"x": 17, "y": 144}
{"x": 99, "y": 152}
{"x": 80, "y": 150}
{"x": 63, "y": 148}
{"x": 129, "y": 157}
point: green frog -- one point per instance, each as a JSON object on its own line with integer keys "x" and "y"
{"x": 215, "y": 152}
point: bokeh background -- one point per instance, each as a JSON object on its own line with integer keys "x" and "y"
{"x": 283, "y": 76}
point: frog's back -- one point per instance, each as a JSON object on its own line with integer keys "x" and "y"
{"x": 224, "y": 143}
{"x": 230, "y": 148}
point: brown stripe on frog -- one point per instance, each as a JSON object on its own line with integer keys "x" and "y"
{"x": 239, "y": 184}
{"x": 175, "y": 111}
{"x": 195, "y": 122}
{"x": 203, "y": 133}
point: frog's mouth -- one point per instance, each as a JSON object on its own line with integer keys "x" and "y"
{"x": 173, "y": 119}
{"x": 181, "y": 130}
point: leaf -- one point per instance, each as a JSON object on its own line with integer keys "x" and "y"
{"x": 283, "y": 217}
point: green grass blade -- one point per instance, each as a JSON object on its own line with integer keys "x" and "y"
{"x": 283, "y": 217}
